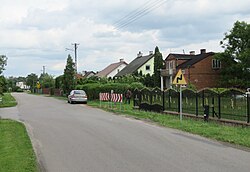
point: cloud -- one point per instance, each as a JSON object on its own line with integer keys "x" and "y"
{"x": 37, "y": 32}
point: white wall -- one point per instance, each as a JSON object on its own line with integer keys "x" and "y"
{"x": 114, "y": 72}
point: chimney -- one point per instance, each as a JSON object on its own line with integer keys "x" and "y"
{"x": 121, "y": 60}
{"x": 203, "y": 51}
{"x": 139, "y": 54}
{"x": 192, "y": 52}
{"x": 151, "y": 52}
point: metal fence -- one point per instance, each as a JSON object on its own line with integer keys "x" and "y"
{"x": 231, "y": 104}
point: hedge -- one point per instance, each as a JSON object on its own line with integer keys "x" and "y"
{"x": 93, "y": 89}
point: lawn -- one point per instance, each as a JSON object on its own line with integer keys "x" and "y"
{"x": 16, "y": 152}
{"x": 7, "y": 100}
{"x": 212, "y": 130}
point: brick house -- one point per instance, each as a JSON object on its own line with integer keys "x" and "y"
{"x": 200, "y": 70}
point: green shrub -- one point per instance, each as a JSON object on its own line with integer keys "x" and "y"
{"x": 19, "y": 90}
{"x": 93, "y": 89}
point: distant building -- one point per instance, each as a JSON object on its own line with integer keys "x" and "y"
{"x": 141, "y": 64}
{"x": 22, "y": 85}
{"x": 111, "y": 70}
{"x": 88, "y": 74}
{"x": 200, "y": 70}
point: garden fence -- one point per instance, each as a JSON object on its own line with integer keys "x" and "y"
{"x": 232, "y": 104}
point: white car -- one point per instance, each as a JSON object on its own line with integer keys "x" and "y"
{"x": 77, "y": 96}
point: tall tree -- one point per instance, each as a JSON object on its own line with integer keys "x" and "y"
{"x": 158, "y": 64}
{"x": 236, "y": 56}
{"x": 69, "y": 80}
{"x": 31, "y": 80}
{"x": 3, "y": 63}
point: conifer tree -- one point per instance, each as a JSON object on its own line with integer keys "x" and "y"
{"x": 158, "y": 64}
{"x": 69, "y": 80}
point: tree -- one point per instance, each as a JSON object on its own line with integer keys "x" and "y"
{"x": 47, "y": 81}
{"x": 59, "y": 82}
{"x": 69, "y": 80}
{"x": 3, "y": 85}
{"x": 3, "y": 63}
{"x": 148, "y": 81}
{"x": 158, "y": 64}
{"x": 236, "y": 56}
{"x": 31, "y": 80}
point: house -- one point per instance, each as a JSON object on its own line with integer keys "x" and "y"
{"x": 22, "y": 85}
{"x": 88, "y": 74}
{"x": 200, "y": 70}
{"x": 111, "y": 70}
{"x": 79, "y": 76}
{"x": 141, "y": 64}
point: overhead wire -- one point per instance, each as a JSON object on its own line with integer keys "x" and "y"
{"x": 138, "y": 13}
{"x": 134, "y": 12}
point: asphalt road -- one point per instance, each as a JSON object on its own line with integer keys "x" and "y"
{"x": 79, "y": 138}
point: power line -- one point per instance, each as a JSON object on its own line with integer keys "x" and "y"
{"x": 138, "y": 13}
{"x": 132, "y": 13}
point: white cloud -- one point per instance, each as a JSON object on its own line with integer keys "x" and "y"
{"x": 35, "y": 33}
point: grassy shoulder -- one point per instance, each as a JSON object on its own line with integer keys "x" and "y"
{"x": 7, "y": 100}
{"x": 16, "y": 150}
{"x": 212, "y": 130}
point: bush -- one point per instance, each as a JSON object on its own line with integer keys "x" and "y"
{"x": 93, "y": 89}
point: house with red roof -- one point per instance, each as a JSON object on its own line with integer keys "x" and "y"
{"x": 111, "y": 70}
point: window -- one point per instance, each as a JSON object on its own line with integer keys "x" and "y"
{"x": 147, "y": 67}
{"x": 216, "y": 64}
{"x": 171, "y": 65}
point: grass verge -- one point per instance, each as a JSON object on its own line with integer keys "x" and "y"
{"x": 8, "y": 100}
{"x": 212, "y": 130}
{"x": 16, "y": 150}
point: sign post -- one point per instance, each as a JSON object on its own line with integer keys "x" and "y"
{"x": 180, "y": 80}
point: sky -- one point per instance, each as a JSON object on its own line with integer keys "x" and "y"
{"x": 35, "y": 33}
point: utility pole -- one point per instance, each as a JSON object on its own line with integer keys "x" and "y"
{"x": 75, "y": 48}
{"x": 43, "y": 69}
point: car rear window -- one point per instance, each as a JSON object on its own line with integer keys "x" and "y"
{"x": 79, "y": 92}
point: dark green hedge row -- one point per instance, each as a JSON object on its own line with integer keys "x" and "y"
{"x": 93, "y": 89}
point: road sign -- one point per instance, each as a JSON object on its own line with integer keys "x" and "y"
{"x": 179, "y": 79}
{"x": 38, "y": 85}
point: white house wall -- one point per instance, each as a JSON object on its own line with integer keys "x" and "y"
{"x": 143, "y": 67}
{"x": 115, "y": 71}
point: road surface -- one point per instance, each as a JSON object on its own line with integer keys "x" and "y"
{"x": 79, "y": 138}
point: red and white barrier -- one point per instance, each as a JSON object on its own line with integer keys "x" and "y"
{"x": 104, "y": 96}
{"x": 110, "y": 98}
{"x": 116, "y": 98}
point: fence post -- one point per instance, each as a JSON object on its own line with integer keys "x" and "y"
{"x": 203, "y": 98}
{"x": 219, "y": 106}
{"x": 196, "y": 104}
{"x": 169, "y": 99}
{"x": 151, "y": 97}
{"x": 163, "y": 100}
{"x": 179, "y": 101}
{"x": 248, "y": 108}
{"x": 213, "y": 106}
